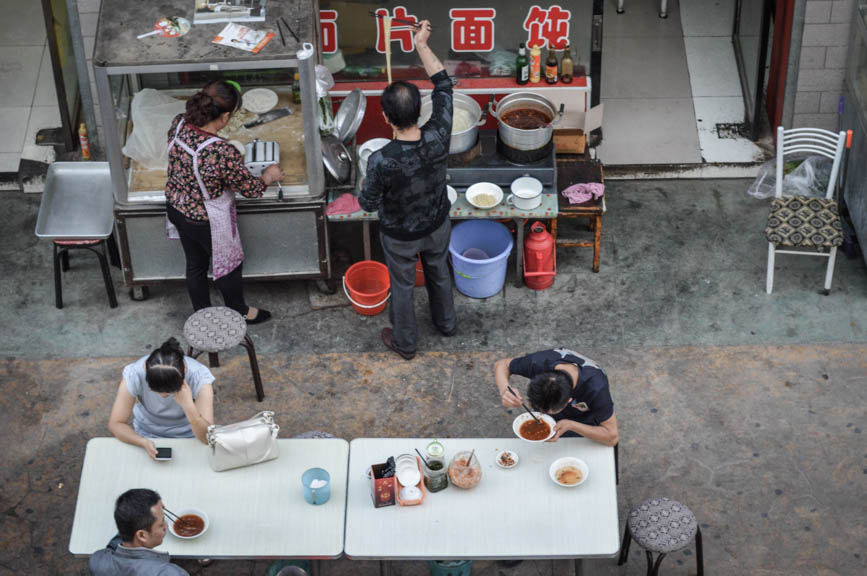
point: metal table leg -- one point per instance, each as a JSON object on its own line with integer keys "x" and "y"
{"x": 365, "y": 225}
{"x": 384, "y": 568}
{"x": 315, "y": 567}
{"x": 519, "y": 256}
{"x": 579, "y": 567}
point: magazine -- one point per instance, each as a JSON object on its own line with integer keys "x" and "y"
{"x": 238, "y": 36}
{"x": 212, "y": 11}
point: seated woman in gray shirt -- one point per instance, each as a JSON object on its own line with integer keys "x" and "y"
{"x": 167, "y": 395}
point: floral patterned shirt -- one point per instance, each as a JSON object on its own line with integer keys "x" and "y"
{"x": 221, "y": 166}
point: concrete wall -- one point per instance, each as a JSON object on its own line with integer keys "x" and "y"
{"x": 824, "y": 46}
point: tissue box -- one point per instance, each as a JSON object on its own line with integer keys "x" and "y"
{"x": 381, "y": 489}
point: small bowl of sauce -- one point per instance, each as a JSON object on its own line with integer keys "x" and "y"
{"x": 569, "y": 471}
{"x": 191, "y": 523}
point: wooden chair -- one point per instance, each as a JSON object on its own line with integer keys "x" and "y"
{"x": 805, "y": 225}
{"x": 571, "y": 171}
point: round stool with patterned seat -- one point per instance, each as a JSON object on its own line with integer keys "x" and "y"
{"x": 216, "y": 329}
{"x": 661, "y": 525}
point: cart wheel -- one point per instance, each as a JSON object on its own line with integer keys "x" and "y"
{"x": 327, "y": 286}
{"x": 139, "y": 293}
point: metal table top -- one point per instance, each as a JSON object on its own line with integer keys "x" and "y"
{"x": 77, "y": 202}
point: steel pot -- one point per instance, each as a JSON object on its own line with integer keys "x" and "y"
{"x": 466, "y": 139}
{"x": 517, "y": 138}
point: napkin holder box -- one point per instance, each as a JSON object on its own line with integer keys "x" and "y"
{"x": 382, "y": 490}
{"x": 259, "y": 155}
{"x": 420, "y": 486}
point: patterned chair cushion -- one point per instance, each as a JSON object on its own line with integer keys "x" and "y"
{"x": 215, "y": 329}
{"x": 804, "y": 222}
{"x": 662, "y": 525}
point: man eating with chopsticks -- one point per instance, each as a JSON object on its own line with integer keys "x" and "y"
{"x": 567, "y": 385}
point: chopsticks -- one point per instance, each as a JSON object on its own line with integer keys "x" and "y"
{"x": 530, "y": 412}
{"x": 174, "y": 517}
{"x": 398, "y": 20}
{"x": 280, "y": 29}
{"x": 289, "y": 28}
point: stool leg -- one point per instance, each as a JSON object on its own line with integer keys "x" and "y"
{"x": 597, "y": 242}
{"x": 624, "y": 548}
{"x": 106, "y": 275}
{"x": 699, "y": 553}
{"x": 649, "y": 555}
{"x": 213, "y": 359}
{"x": 247, "y": 343}
{"x": 554, "y": 230}
{"x": 191, "y": 352}
{"x": 113, "y": 255}
{"x": 656, "y": 566}
{"x": 58, "y": 289}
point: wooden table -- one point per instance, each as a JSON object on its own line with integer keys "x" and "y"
{"x": 512, "y": 514}
{"x": 254, "y": 512}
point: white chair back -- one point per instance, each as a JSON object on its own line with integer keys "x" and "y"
{"x": 809, "y": 141}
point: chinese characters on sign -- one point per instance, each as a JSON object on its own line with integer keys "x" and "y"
{"x": 471, "y": 29}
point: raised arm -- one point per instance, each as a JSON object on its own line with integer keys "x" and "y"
{"x": 432, "y": 64}
{"x": 501, "y": 379}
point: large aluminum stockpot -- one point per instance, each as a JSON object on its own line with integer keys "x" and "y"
{"x": 517, "y": 138}
{"x": 465, "y": 139}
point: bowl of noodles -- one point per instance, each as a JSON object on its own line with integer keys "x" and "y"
{"x": 484, "y": 195}
{"x": 569, "y": 471}
{"x": 527, "y": 429}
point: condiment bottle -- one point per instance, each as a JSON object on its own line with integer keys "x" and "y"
{"x": 567, "y": 65}
{"x": 522, "y": 66}
{"x": 296, "y": 89}
{"x": 535, "y": 64}
{"x": 435, "y": 471}
{"x": 85, "y": 144}
{"x": 551, "y": 74}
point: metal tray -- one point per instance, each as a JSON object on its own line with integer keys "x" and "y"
{"x": 77, "y": 202}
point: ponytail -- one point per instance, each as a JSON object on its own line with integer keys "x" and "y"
{"x": 165, "y": 368}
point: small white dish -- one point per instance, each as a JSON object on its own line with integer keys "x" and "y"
{"x": 410, "y": 493}
{"x": 523, "y": 417}
{"x": 567, "y": 461}
{"x": 453, "y": 194}
{"x": 512, "y": 454}
{"x": 489, "y": 188}
{"x": 181, "y": 513}
{"x": 259, "y": 100}
{"x": 408, "y": 477}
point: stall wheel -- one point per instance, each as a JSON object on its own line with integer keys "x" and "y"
{"x": 139, "y": 293}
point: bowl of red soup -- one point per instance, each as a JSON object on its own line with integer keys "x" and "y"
{"x": 568, "y": 471}
{"x": 190, "y": 523}
{"x": 527, "y": 428}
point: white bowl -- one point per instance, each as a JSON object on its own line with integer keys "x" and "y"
{"x": 523, "y": 417}
{"x": 568, "y": 461}
{"x": 453, "y": 194}
{"x": 511, "y": 453}
{"x": 181, "y": 513}
{"x": 484, "y": 188}
{"x": 366, "y": 149}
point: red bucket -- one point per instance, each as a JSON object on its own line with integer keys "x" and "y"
{"x": 419, "y": 272}
{"x": 367, "y": 286}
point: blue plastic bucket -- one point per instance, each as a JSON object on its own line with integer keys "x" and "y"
{"x": 450, "y": 567}
{"x": 476, "y": 276}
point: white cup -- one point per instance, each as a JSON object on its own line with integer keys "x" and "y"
{"x": 524, "y": 203}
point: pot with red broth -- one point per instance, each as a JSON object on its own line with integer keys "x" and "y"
{"x": 526, "y": 118}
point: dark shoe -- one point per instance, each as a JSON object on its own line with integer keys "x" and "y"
{"x": 262, "y": 316}
{"x": 450, "y": 333}
{"x": 386, "y": 339}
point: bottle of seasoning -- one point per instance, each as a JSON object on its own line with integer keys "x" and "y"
{"x": 535, "y": 64}
{"x": 435, "y": 471}
{"x": 551, "y": 74}
{"x": 567, "y": 65}
{"x": 85, "y": 144}
{"x": 522, "y": 66}
{"x": 296, "y": 89}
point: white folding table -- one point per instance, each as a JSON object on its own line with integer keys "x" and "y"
{"x": 511, "y": 514}
{"x": 254, "y": 512}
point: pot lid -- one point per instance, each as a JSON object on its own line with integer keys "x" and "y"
{"x": 336, "y": 158}
{"x": 350, "y": 114}
{"x": 526, "y": 187}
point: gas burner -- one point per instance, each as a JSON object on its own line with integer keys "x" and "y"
{"x": 524, "y": 157}
{"x": 488, "y": 162}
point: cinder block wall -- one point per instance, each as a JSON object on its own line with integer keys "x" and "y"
{"x": 824, "y": 46}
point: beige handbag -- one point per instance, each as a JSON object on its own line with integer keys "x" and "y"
{"x": 243, "y": 443}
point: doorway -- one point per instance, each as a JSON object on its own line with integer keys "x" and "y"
{"x": 752, "y": 30}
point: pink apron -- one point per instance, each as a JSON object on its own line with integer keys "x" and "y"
{"x": 226, "y": 251}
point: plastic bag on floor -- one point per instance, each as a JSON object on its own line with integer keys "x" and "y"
{"x": 152, "y": 115}
{"x": 808, "y": 177}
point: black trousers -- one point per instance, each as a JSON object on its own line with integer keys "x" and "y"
{"x": 196, "y": 241}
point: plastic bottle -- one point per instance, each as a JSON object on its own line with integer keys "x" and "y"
{"x": 522, "y": 66}
{"x": 551, "y": 69}
{"x": 567, "y": 65}
{"x": 535, "y": 64}
{"x": 82, "y": 139}
{"x": 296, "y": 89}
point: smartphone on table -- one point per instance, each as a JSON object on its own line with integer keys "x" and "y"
{"x": 164, "y": 454}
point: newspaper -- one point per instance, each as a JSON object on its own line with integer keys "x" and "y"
{"x": 238, "y": 36}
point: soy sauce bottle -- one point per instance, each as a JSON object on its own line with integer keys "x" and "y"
{"x": 567, "y": 65}
{"x": 522, "y": 66}
{"x": 551, "y": 72}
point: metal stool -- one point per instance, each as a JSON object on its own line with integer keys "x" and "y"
{"x": 61, "y": 262}
{"x": 216, "y": 329}
{"x": 661, "y": 525}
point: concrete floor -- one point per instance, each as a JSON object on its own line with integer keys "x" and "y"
{"x": 747, "y": 407}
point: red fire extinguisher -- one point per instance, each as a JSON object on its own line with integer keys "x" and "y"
{"x": 540, "y": 258}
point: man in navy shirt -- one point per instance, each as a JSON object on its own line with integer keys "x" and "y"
{"x": 570, "y": 387}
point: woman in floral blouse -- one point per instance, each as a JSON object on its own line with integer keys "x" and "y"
{"x": 204, "y": 174}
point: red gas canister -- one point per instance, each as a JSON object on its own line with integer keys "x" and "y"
{"x": 540, "y": 258}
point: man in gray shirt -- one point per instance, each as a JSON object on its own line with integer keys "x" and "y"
{"x": 141, "y": 526}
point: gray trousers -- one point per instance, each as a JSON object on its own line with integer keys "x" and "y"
{"x": 400, "y": 257}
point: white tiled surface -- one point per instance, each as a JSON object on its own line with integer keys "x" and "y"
{"x": 644, "y": 67}
{"x": 710, "y": 111}
{"x": 712, "y": 67}
{"x": 707, "y": 17}
{"x": 14, "y": 126}
{"x": 9, "y": 161}
{"x": 41, "y": 117}
{"x": 45, "y": 93}
{"x": 22, "y": 23}
{"x": 19, "y": 70}
{"x": 641, "y": 19}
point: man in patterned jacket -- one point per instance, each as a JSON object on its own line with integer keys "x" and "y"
{"x": 406, "y": 184}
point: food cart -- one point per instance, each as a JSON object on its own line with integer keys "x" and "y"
{"x": 283, "y": 233}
